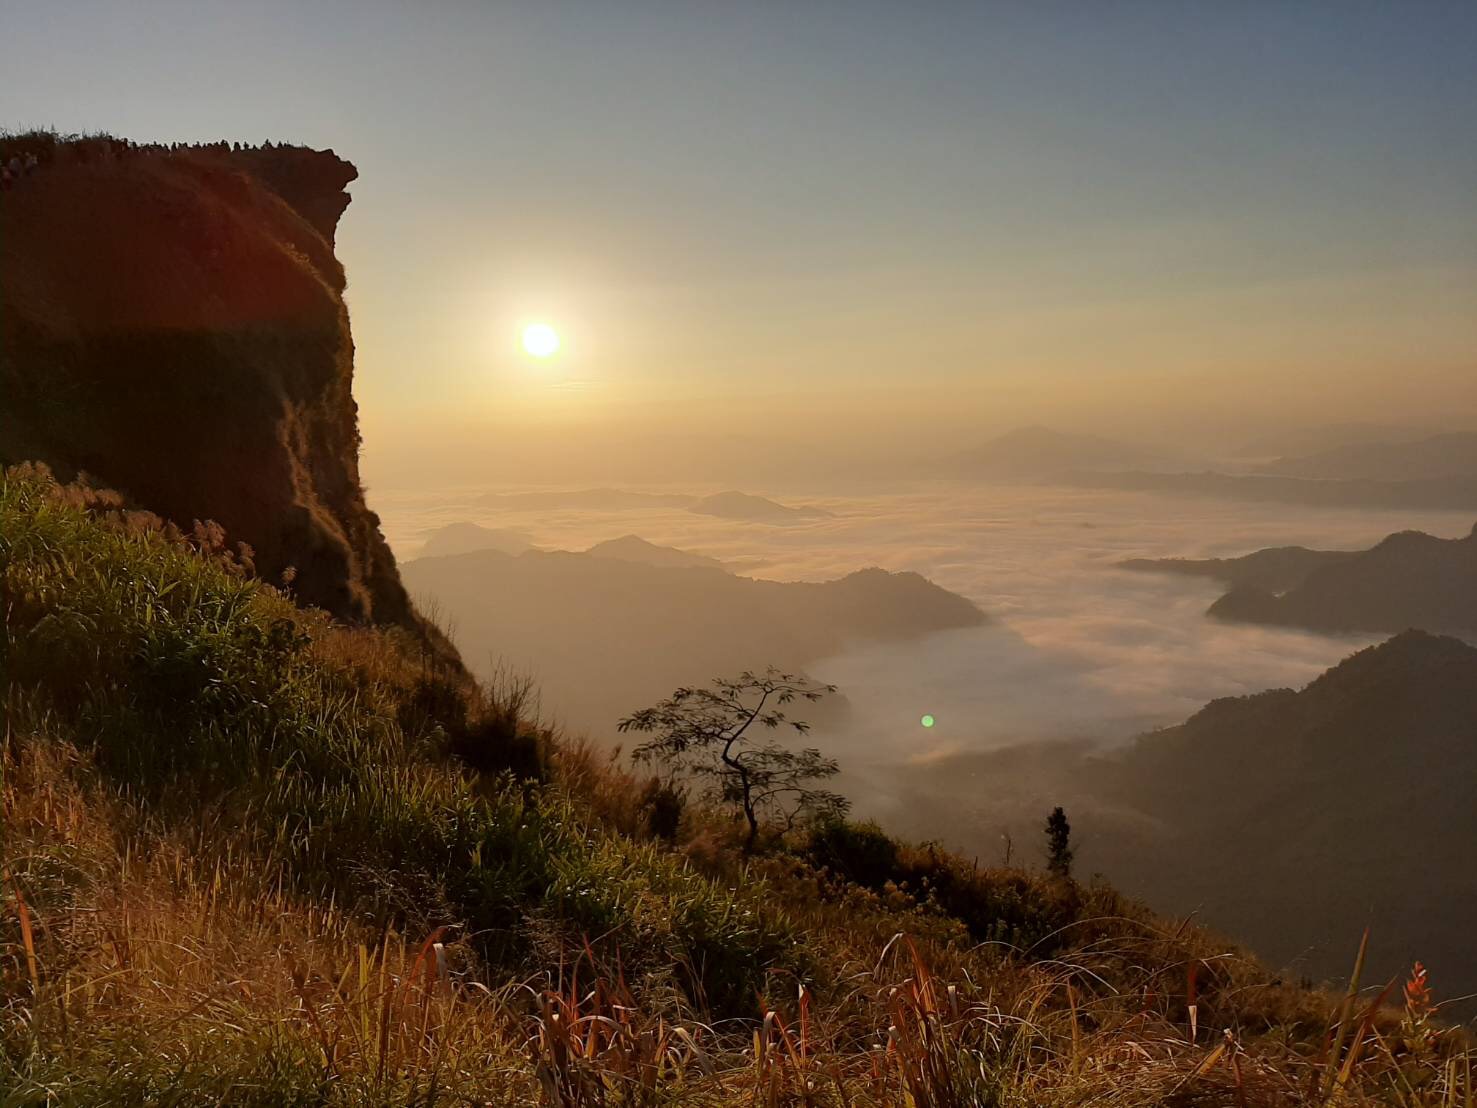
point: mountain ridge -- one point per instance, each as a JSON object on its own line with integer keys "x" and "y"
{"x": 1452, "y": 454}
{"x": 1302, "y": 779}
{"x": 1407, "y": 580}
{"x": 628, "y": 631}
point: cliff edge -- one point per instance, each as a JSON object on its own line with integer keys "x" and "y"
{"x": 172, "y": 323}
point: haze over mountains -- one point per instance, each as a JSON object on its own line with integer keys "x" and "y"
{"x": 726, "y": 505}
{"x": 1297, "y": 441}
{"x": 1036, "y": 453}
{"x": 463, "y": 538}
{"x": 616, "y": 627}
{"x": 1439, "y": 456}
{"x": 755, "y": 509}
{"x": 1433, "y": 472}
{"x": 633, "y": 548}
{"x": 1422, "y": 495}
{"x": 1275, "y": 569}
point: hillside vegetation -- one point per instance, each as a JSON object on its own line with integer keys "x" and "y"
{"x": 1307, "y": 783}
{"x": 253, "y": 856}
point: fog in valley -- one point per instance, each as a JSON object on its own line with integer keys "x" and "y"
{"x": 1075, "y": 647}
{"x": 1069, "y": 658}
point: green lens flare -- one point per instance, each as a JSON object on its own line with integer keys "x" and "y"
{"x": 927, "y": 721}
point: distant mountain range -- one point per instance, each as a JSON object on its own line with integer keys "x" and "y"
{"x": 1328, "y": 436}
{"x": 601, "y": 500}
{"x": 1275, "y": 569}
{"x": 755, "y": 509}
{"x": 467, "y": 538}
{"x": 1410, "y": 579}
{"x": 1434, "y": 472}
{"x": 725, "y": 505}
{"x": 1458, "y": 492}
{"x": 1032, "y": 453}
{"x": 1433, "y": 458}
{"x": 463, "y": 538}
{"x": 606, "y": 635}
{"x": 633, "y": 548}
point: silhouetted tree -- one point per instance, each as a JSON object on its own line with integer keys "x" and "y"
{"x": 710, "y": 734}
{"x": 1058, "y": 843}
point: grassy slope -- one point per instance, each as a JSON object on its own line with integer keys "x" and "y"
{"x": 243, "y": 864}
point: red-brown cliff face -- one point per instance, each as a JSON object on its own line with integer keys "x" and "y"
{"x": 173, "y": 324}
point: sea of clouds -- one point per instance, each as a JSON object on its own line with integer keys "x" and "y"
{"x": 1076, "y": 647}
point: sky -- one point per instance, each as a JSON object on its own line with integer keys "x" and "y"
{"x": 886, "y": 225}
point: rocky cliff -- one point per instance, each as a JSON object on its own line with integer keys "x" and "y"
{"x": 172, "y": 323}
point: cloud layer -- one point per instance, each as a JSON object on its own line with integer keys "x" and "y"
{"x": 1079, "y": 649}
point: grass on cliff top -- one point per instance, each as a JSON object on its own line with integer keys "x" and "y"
{"x": 246, "y": 861}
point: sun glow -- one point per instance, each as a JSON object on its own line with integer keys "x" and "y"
{"x": 540, "y": 340}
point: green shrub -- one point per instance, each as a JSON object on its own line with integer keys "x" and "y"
{"x": 860, "y": 852}
{"x": 663, "y": 804}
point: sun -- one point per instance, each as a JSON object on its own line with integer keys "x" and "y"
{"x": 540, "y": 340}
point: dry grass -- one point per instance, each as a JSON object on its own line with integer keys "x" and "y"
{"x": 140, "y": 976}
{"x": 209, "y": 948}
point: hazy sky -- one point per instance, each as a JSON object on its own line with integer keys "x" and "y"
{"x": 913, "y": 219}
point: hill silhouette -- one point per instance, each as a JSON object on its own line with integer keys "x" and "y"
{"x": 1289, "y": 818}
{"x": 725, "y": 505}
{"x": 633, "y": 548}
{"x": 755, "y": 509}
{"x": 1432, "y": 458}
{"x": 1295, "y": 818}
{"x": 174, "y": 326}
{"x": 463, "y": 538}
{"x": 1410, "y": 579}
{"x": 1297, "y": 441}
{"x": 1275, "y": 569}
{"x": 1458, "y": 492}
{"x": 603, "y": 499}
{"x": 604, "y": 636}
{"x": 1039, "y": 452}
